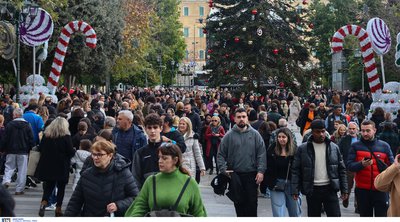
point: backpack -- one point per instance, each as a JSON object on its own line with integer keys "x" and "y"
{"x": 171, "y": 211}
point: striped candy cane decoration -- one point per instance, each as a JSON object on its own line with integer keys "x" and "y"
{"x": 62, "y": 47}
{"x": 366, "y": 49}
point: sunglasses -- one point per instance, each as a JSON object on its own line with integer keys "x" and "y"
{"x": 214, "y": 120}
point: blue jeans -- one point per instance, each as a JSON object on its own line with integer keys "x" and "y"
{"x": 280, "y": 201}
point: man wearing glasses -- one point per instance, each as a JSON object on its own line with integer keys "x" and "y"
{"x": 242, "y": 151}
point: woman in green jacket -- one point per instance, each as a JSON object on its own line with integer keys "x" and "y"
{"x": 169, "y": 183}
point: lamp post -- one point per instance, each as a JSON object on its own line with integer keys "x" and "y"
{"x": 159, "y": 60}
{"x": 173, "y": 71}
{"x": 357, "y": 54}
{"x": 18, "y": 16}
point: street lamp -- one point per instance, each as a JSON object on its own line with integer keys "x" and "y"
{"x": 159, "y": 60}
{"x": 173, "y": 70}
{"x": 357, "y": 54}
{"x": 17, "y": 16}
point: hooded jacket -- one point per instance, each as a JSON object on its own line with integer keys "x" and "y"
{"x": 242, "y": 152}
{"x": 18, "y": 137}
{"x": 96, "y": 189}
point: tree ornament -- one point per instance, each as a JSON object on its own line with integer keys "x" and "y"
{"x": 394, "y": 113}
{"x": 240, "y": 65}
{"x": 226, "y": 71}
{"x": 224, "y": 43}
{"x": 275, "y": 51}
{"x": 237, "y": 40}
{"x": 287, "y": 19}
{"x": 250, "y": 42}
{"x": 370, "y": 111}
{"x": 259, "y": 31}
{"x": 210, "y": 51}
{"x": 305, "y": 2}
{"x": 204, "y": 30}
{"x": 397, "y": 92}
{"x": 220, "y": 24}
{"x": 244, "y": 29}
{"x": 254, "y": 12}
{"x": 386, "y": 101}
{"x": 253, "y": 66}
{"x": 392, "y": 101}
{"x": 226, "y": 55}
{"x": 311, "y": 25}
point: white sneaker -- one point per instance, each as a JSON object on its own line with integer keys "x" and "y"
{"x": 51, "y": 207}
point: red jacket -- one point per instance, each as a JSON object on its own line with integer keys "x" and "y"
{"x": 209, "y": 135}
{"x": 365, "y": 176}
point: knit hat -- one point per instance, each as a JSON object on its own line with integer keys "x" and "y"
{"x": 317, "y": 124}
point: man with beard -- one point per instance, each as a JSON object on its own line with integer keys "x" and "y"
{"x": 242, "y": 152}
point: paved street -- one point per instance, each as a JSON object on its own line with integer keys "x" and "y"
{"x": 217, "y": 206}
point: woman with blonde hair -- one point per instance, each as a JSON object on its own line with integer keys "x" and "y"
{"x": 339, "y": 133}
{"x": 213, "y": 136}
{"x": 44, "y": 113}
{"x": 56, "y": 152}
{"x": 192, "y": 157}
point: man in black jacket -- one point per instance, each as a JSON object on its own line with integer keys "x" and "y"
{"x": 170, "y": 134}
{"x": 319, "y": 171}
{"x": 16, "y": 143}
{"x": 194, "y": 118}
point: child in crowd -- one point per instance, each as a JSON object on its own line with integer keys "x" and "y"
{"x": 79, "y": 158}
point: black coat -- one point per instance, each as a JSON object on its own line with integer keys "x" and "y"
{"x": 17, "y": 138}
{"x": 304, "y": 163}
{"x": 55, "y": 159}
{"x": 96, "y": 189}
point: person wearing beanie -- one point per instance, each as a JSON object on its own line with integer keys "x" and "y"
{"x": 318, "y": 171}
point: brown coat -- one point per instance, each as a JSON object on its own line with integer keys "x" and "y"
{"x": 389, "y": 181}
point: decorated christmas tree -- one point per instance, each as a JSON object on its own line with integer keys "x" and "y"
{"x": 256, "y": 42}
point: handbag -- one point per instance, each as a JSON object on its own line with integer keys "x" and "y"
{"x": 171, "y": 211}
{"x": 34, "y": 156}
{"x": 280, "y": 185}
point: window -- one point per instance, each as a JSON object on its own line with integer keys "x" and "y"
{"x": 185, "y": 11}
{"x": 201, "y": 34}
{"x": 201, "y": 11}
{"x": 187, "y": 54}
{"x": 201, "y": 54}
{"x": 186, "y": 32}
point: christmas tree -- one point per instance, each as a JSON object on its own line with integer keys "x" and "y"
{"x": 256, "y": 42}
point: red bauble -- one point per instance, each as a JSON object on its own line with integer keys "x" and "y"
{"x": 210, "y": 51}
{"x": 392, "y": 101}
{"x": 281, "y": 84}
{"x": 236, "y": 39}
{"x": 275, "y": 51}
{"x": 227, "y": 55}
{"x": 254, "y": 11}
{"x": 311, "y": 25}
{"x": 210, "y": 4}
{"x": 305, "y": 2}
{"x": 205, "y": 31}
{"x": 226, "y": 71}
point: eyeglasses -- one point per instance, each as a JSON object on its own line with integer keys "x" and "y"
{"x": 98, "y": 155}
{"x": 214, "y": 120}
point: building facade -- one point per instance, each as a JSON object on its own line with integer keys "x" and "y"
{"x": 193, "y": 14}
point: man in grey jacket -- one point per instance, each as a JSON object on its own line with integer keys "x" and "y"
{"x": 242, "y": 151}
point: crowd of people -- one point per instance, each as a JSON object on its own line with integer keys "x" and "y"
{"x": 135, "y": 152}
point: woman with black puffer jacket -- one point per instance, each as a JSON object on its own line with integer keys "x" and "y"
{"x": 107, "y": 188}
